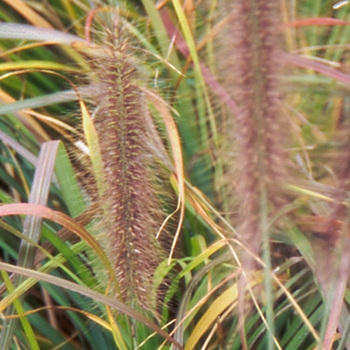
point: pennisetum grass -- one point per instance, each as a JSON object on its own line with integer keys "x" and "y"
{"x": 251, "y": 43}
{"x": 123, "y": 118}
{"x": 251, "y": 74}
{"x": 128, "y": 188}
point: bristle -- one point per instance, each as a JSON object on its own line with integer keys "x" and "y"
{"x": 252, "y": 77}
{"x": 132, "y": 214}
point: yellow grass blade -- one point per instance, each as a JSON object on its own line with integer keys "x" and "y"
{"x": 27, "y": 120}
{"x": 118, "y": 338}
{"x": 220, "y": 304}
{"x": 36, "y": 65}
{"x": 92, "y": 317}
{"x": 174, "y": 137}
{"x": 93, "y": 144}
{"x": 31, "y": 15}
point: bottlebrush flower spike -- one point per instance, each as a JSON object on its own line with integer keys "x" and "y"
{"x": 132, "y": 213}
{"x": 251, "y": 71}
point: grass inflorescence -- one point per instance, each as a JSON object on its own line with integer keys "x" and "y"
{"x": 132, "y": 213}
{"x": 251, "y": 74}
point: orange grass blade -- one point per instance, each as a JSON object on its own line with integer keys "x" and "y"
{"x": 26, "y": 119}
{"x": 59, "y": 218}
{"x": 325, "y": 21}
{"x": 89, "y": 315}
{"x": 26, "y": 11}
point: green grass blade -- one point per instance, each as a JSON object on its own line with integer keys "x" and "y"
{"x": 41, "y": 101}
{"x": 160, "y": 32}
{"x": 24, "y": 320}
{"x": 32, "y": 228}
{"x": 69, "y": 186}
{"x": 112, "y": 302}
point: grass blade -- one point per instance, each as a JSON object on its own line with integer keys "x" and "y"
{"x": 91, "y": 294}
{"x": 28, "y": 32}
{"x": 31, "y": 228}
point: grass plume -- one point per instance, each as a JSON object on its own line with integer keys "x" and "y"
{"x": 252, "y": 77}
{"x": 132, "y": 214}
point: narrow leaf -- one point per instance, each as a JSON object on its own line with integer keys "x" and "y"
{"x": 112, "y": 302}
{"x": 32, "y": 229}
{"x": 28, "y": 32}
{"x": 325, "y": 21}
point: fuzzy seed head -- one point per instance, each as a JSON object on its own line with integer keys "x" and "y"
{"x": 252, "y": 78}
{"x": 131, "y": 211}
